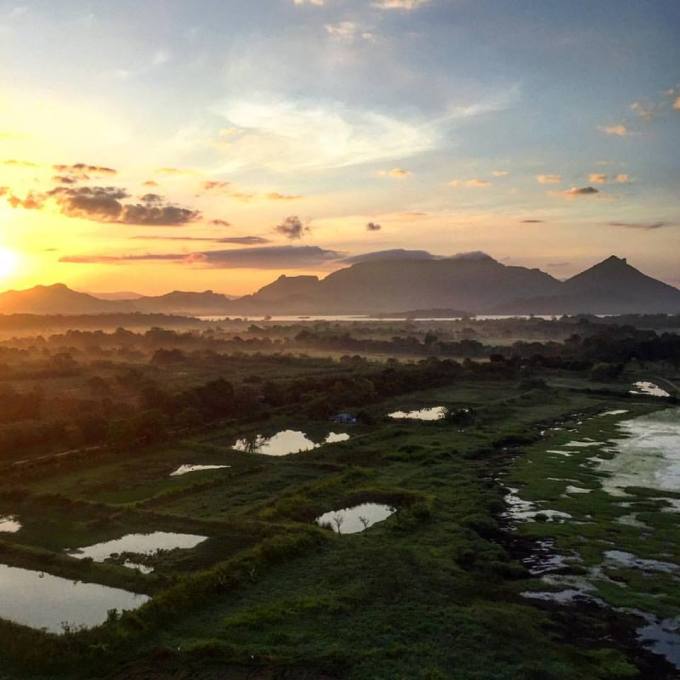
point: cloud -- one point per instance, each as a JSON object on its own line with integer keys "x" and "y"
{"x": 581, "y": 191}
{"x": 288, "y": 135}
{"x": 348, "y": 31}
{"x": 474, "y": 183}
{"x": 317, "y": 3}
{"x": 645, "y": 110}
{"x": 270, "y": 257}
{"x": 30, "y": 202}
{"x": 267, "y": 257}
{"x": 394, "y": 254}
{"x": 622, "y": 178}
{"x": 676, "y": 104}
{"x": 230, "y": 190}
{"x": 150, "y": 183}
{"x": 276, "y": 196}
{"x": 19, "y": 164}
{"x": 397, "y": 173}
{"x": 532, "y": 221}
{"x": 105, "y": 204}
{"x": 647, "y": 226}
{"x": 548, "y": 179}
{"x": 500, "y": 173}
{"x": 619, "y": 130}
{"x": 176, "y": 172}
{"x": 220, "y": 223}
{"x": 239, "y": 240}
{"x": 399, "y": 4}
{"x": 292, "y": 227}
{"x": 597, "y": 178}
{"x": 373, "y": 226}
{"x": 83, "y": 171}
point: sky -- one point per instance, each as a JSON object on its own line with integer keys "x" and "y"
{"x": 172, "y": 144}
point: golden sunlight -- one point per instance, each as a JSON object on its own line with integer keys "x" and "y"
{"x": 9, "y": 261}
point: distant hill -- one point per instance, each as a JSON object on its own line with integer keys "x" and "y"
{"x": 610, "y": 287}
{"x": 471, "y": 283}
{"x": 57, "y": 299}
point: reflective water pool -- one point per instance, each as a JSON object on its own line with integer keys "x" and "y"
{"x": 355, "y": 519}
{"x": 138, "y": 544}
{"x": 286, "y": 442}
{"x": 41, "y": 600}
{"x": 186, "y": 469}
{"x": 432, "y": 413}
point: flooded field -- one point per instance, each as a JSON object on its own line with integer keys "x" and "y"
{"x": 355, "y": 519}
{"x": 41, "y": 600}
{"x": 621, "y": 481}
{"x": 286, "y": 442}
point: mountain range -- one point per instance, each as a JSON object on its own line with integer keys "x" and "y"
{"x": 474, "y": 283}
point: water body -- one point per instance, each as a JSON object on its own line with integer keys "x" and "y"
{"x": 138, "y": 544}
{"x": 649, "y": 455}
{"x": 355, "y": 519}
{"x": 286, "y": 442}
{"x": 649, "y": 388}
{"x": 40, "y": 600}
{"x": 9, "y": 524}
{"x": 186, "y": 469}
{"x": 433, "y": 413}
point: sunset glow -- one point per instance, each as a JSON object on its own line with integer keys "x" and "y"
{"x": 131, "y": 152}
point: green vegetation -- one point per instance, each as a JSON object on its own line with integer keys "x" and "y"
{"x": 434, "y": 591}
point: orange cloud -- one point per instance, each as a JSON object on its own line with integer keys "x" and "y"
{"x": 548, "y": 179}
{"x": 597, "y": 178}
{"x": 619, "y": 130}
{"x": 474, "y": 183}
{"x": 397, "y": 173}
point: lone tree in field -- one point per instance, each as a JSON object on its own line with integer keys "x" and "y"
{"x": 338, "y": 520}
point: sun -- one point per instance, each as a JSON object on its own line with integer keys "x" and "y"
{"x": 8, "y": 262}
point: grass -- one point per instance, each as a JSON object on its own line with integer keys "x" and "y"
{"x": 432, "y": 592}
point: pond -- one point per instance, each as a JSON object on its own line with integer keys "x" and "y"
{"x": 138, "y": 544}
{"x": 186, "y": 469}
{"x": 286, "y": 442}
{"x": 355, "y": 519}
{"x": 40, "y": 600}
{"x": 432, "y": 413}
{"x": 9, "y": 524}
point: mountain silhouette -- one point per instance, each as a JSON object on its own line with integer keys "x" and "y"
{"x": 472, "y": 282}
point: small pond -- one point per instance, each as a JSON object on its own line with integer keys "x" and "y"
{"x": 138, "y": 544}
{"x": 40, "y": 600}
{"x": 186, "y": 469}
{"x": 286, "y": 442}
{"x": 355, "y": 519}
{"x": 9, "y": 524}
{"x": 432, "y": 413}
{"x": 645, "y": 387}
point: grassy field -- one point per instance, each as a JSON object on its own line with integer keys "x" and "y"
{"x": 432, "y": 592}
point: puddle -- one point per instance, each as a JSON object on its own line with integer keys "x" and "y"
{"x": 632, "y": 521}
{"x": 615, "y": 412}
{"x": 186, "y": 469}
{"x": 138, "y": 544}
{"x": 433, "y": 413}
{"x": 9, "y": 524}
{"x": 661, "y": 636}
{"x": 40, "y": 600}
{"x": 649, "y": 388}
{"x": 583, "y": 444}
{"x": 520, "y": 510}
{"x": 621, "y": 558}
{"x": 286, "y": 442}
{"x": 576, "y": 489}
{"x": 356, "y": 519}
